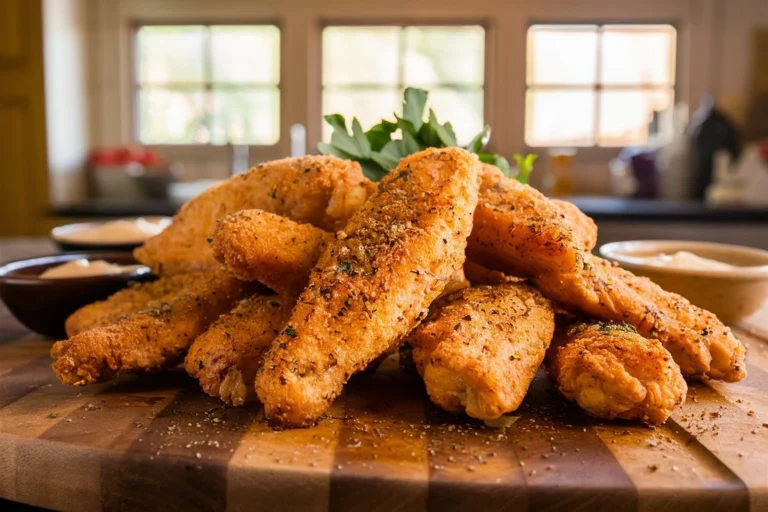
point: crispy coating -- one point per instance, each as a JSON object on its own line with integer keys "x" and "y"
{"x": 136, "y": 297}
{"x": 480, "y": 348}
{"x": 611, "y": 372}
{"x": 583, "y": 226}
{"x": 226, "y": 356}
{"x": 478, "y": 275}
{"x": 321, "y": 190}
{"x": 259, "y": 246}
{"x": 148, "y": 340}
{"x": 518, "y": 231}
{"x": 372, "y": 284}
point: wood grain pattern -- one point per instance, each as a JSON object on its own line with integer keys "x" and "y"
{"x": 160, "y": 443}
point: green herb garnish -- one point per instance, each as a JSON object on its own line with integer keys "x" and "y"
{"x": 378, "y": 153}
{"x": 290, "y": 331}
{"x": 525, "y": 165}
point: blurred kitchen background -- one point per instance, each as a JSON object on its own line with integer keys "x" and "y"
{"x": 652, "y": 116}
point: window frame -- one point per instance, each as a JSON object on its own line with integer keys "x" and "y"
{"x": 197, "y": 150}
{"x": 595, "y": 151}
{"x": 377, "y": 21}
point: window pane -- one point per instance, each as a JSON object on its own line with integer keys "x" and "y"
{"x": 559, "y": 117}
{"x": 360, "y": 55}
{"x": 245, "y": 54}
{"x": 369, "y": 106}
{"x": 246, "y": 116}
{"x": 444, "y": 55}
{"x": 562, "y": 55}
{"x": 642, "y": 54}
{"x": 172, "y": 117}
{"x": 624, "y": 115}
{"x": 171, "y": 54}
{"x": 464, "y": 109}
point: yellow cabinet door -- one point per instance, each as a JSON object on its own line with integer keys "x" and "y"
{"x": 23, "y": 163}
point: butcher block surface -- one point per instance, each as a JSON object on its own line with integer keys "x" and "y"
{"x": 158, "y": 442}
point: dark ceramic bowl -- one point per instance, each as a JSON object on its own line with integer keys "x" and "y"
{"x": 44, "y": 304}
{"x": 59, "y": 236}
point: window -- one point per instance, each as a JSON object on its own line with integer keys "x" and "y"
{"x": 597, "y": 85}
{"x": 208, "y": 84}
{"x": 366, "y": 69}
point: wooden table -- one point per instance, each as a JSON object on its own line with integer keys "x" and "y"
{"x": 160, "y": 443}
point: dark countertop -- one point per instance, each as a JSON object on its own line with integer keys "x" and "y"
{"x": 599, "y": 208}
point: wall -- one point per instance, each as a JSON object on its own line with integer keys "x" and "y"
{"x": 737, "y": 19}
{"x": 713, "y": 43}
{"x": 66, "y": 96}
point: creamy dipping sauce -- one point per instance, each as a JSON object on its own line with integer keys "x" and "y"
{"x": 119, "y": 231}
{"x": 684, "y": 259}
{"x": 85, "y": 268}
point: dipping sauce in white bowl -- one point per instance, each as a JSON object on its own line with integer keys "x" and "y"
{"x": 731, "y": 281}
{"x": 683, "y": 259}
{"x": 118, "y": 231}
{"x": 84, "y": 268}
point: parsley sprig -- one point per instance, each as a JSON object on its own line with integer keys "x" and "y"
{"x": 378, "y": 153}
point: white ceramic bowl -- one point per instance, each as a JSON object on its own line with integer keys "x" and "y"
{"x": 731, "y": 294}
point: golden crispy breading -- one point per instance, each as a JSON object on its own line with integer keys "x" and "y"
{"x": 372, "y": 284}
{"x": 519, "y": 231}
{"x": 149, "y": 340}
{"x": 278, "y": 252}
{"x": 613, "y": 372}
{"x": 478, "y": 275}
{"x": 321, "y": 190}
{"x": 136, "y": 297}
{"x": 480, "y": 348}
{"x": 226, "y": 356}
{"x": 258, "y": 246}
{"x": 583, "y": 226}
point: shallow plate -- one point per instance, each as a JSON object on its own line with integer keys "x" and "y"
{"x": 60, "y": 237}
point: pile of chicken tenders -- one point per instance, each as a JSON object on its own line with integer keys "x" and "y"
{"x": 290, "y": 278}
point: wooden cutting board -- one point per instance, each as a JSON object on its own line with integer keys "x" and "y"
{"x": 159, "y": 443}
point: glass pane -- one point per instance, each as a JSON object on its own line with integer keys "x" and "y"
{"x": 625, "y": 115}
{"x": 246, "y": 116}
{"x": 559, "y": 117}
{"x": 172, "y": 117}
{"x": 464, "y": 109}
{"x": 642, "y": 54}
{"x": 369, "y": 106}
{"x": 565, "y": 54}
{"x": 444, "y": 55}
{"x": 360, "y": 55}
{"x": 171, "y": 54}
{"x": 245, "y": 54}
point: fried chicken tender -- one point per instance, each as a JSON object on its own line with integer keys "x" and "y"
{"x": 583, "y": 226}
{"x": 520, "y": 232}
{"x": 321, "y": 190}
{"x": 611, "y": 372}
{"x": 372, "y": 284}
{"x": 480, "y": 348}
{"x": 227, "y": 355}
{"x": 149, "y": 340}
{"x": 136, "y": 297}
{"x": 258, "y": 246}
